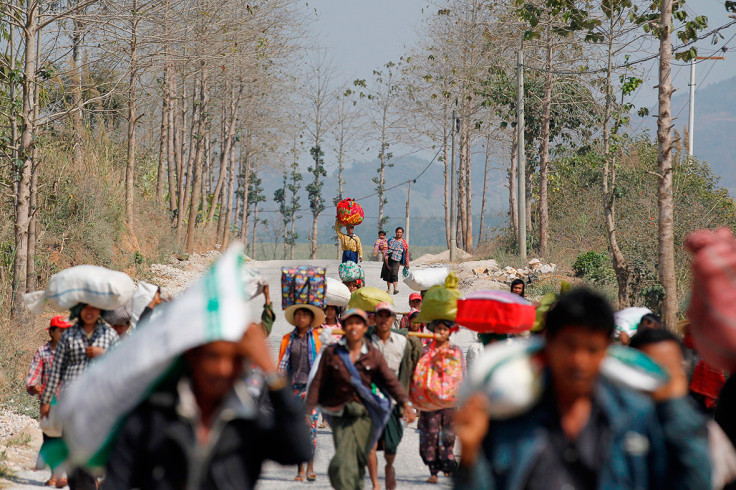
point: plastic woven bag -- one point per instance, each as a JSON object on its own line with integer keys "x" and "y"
{"x": 349, "y": 212}
{"x": 350, "y": 271}
{"x": 367, "y": 298}
{"x": 491, "y": 311}
{"x": 437, "y": 378}
{"x": 423, "y": 279}
{"x": 440, "y": 302}
{"x": 338, "y": 294}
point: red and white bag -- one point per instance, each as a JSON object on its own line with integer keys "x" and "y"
{"x": 437, "y": 378}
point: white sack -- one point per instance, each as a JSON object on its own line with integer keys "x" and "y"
{"x": 423, "y": 279}
{"x": 627, "y": 320}
{"x": 90, "y": 284}
{"x": 337, "y": 293}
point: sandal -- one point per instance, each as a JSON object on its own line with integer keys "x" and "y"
{"x": 52, "y": 482}
{"x": 61, "y": 483}
{"x": 311, "y": 477}
{"x": 299, "y": 478}
{"x": 396, "y": 291}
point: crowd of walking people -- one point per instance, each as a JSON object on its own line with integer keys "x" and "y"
{"x": 561, "y": 419}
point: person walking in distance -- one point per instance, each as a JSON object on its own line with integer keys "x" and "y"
{"x": 396, "y": 256}
{"x": 87, "y": 339}
{"x": 352, "y": 250}
{"x": 38, "y": 377}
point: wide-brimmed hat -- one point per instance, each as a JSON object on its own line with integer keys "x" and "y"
{"x": 318, "y": 315}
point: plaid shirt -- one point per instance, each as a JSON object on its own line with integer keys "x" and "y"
{"x": 38, "y": 374}
{"x": 71, "y": 358}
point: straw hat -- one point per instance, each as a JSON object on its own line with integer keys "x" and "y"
{"x": 318, "y": 315}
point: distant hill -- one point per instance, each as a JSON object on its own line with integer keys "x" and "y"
{"x": 715, "y": 127}
{"x": 427, "y": 212}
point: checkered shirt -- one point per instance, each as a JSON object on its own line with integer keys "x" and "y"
{"x": 71, "y": 358}
{"x": 38, "y": 374}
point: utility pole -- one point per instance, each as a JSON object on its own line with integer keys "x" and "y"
{"x": 453, "y": 195}
{"x": 691, "y": 117}
{"x": 521, "y": 153}
{"x": 408, "y": 197}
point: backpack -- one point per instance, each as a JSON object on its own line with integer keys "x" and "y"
{"x": 303, "y": 285}
{"x": 437, "y": 378}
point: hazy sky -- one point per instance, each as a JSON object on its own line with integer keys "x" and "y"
{"x": 364, "y": 34}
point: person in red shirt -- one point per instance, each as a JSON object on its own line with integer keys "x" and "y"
{"x": 38, "y": 376}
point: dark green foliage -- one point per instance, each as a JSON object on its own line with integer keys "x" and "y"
{"x": 314, "y": 188}
{"x": 594, "y": 266}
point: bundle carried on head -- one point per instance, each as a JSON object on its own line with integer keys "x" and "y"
{"x": 368, "y": 298}
{"x": 88, "y": 284}
{"x": 350, "y": 271}
{"x": 491, "y": 311}
{"x": 440, "y": 302}
{"x": 349, "y": 212}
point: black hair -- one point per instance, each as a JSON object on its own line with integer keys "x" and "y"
{"x": 649, "y": 336}
{"x": 652, "y": 318}
{"x": 338, "y": 309}
{"x": 381, "y": 232}
{"x": 581, "y": 307}
{"x": 523, "y": 286}
{"x": 398, "y": 228}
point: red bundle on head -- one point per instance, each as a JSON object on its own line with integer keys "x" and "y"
{"x": 349, "y": 213}
{"x": 495, "y": 312}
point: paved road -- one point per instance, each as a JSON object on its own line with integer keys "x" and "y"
{"x": 410, "y": 471}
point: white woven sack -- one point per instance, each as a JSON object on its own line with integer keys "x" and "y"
{"x": 337, "y": 293}
{"x": 423, "y": 279}
{"x": 89, "y": 284}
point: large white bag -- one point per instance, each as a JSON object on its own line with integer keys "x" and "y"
{"x": 89, "y": 284}
{"x": 96, "y": 403}
{"x": 337, "y": 293}
{"x": 627, "y": 320}
{"x": 423, "y": 279}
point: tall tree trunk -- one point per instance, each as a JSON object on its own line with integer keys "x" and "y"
{"x": 469, "y": 191}
{"x": 513, "y": 191}
{"x": 665, "y": 201}
{"x": 77, "y": 119}
{"x": 22, "y": 208}
{"x": 132, "y": 118}
{"x": 462, "y": 202}
{"x": 620, "y": 264}
{"x": 163, "y": 144}
{"x": 229, "y": 204}
{"x": 485, "y": 187}
{"x": 33, "y": 218}
{"x": 446, "y": 172}
{"x": 181, "y": 165}
{"x": 200, "y": 108}
{"x": 381, "y": 173}
{"x": 172, "y": 140}
{"x": 196, "y": 117}
{"x": 544, "y": 151}
{"x": 255, "y": 227}
{"x": 245, "y": 172}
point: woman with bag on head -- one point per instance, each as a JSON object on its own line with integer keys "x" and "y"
{"x": 436, "y": 435}
{"x": 297, "y": 354}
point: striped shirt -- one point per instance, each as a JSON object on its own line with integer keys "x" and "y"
{"x": 38, "y": 374}
{"x": 71, "y": 359}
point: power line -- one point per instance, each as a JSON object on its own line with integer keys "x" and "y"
{"x": 406, "y": 181}
{"x": 632, "y": 63}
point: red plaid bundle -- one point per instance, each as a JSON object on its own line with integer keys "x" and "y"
{"x": 712, "y": 310}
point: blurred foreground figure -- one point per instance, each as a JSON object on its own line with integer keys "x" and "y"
{"x": 204, "y": 429}
{"x": 585, "y": 432}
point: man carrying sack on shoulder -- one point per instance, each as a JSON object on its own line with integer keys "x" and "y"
{"x": 348, "y": 385}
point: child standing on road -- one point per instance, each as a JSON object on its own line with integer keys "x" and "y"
{"x": 38, "y": 376}
{"x": 380, "y": 248}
